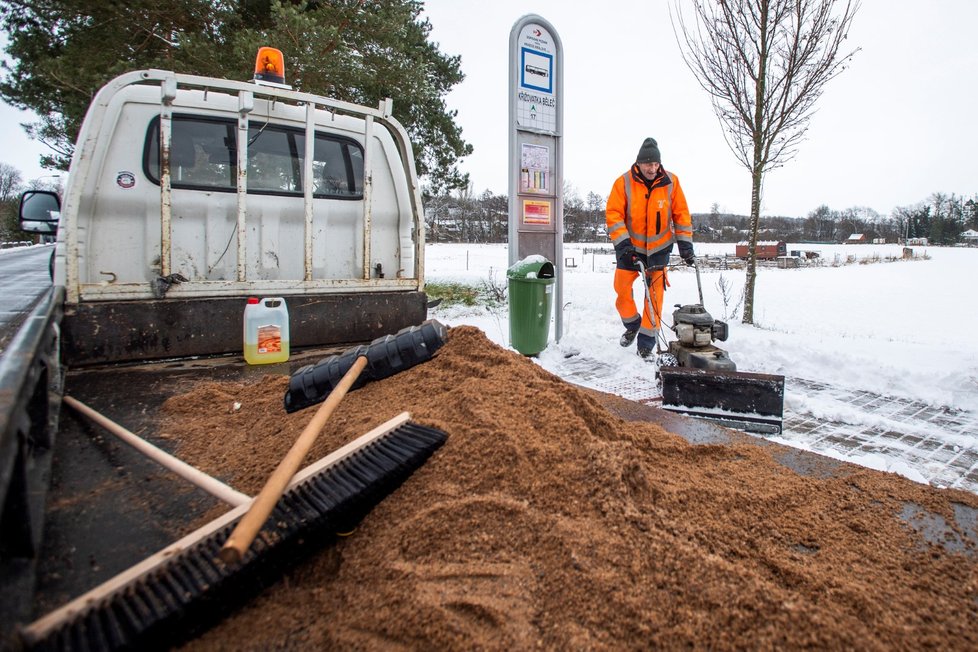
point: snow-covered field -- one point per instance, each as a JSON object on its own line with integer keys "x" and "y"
{"x": 883, "y": 351}
{"x": 901, "y": 329}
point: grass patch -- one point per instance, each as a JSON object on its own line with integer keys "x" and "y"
{"x": 491, "y": 292}
{"x": 452, "y": 293}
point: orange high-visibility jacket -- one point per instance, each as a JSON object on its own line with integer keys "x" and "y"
{"x": 653, "y": 218}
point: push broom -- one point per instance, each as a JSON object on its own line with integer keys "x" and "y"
{"x": 186, "y": 587}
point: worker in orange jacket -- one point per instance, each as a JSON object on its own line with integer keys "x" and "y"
{"x": 646, "y": 214}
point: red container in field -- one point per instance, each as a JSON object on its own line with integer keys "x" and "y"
{"x": 765, "y": 250}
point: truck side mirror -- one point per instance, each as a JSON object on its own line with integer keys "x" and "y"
{"x": 40, "y": 212}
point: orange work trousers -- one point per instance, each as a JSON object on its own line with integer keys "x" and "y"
{"x": 625, "y": 302}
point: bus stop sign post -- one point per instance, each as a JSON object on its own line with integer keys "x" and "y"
{"x": 536, "y": 178}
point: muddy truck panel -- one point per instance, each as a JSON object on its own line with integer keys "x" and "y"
{"x": 30, "y": 393}
{"x": 188, "y": 194}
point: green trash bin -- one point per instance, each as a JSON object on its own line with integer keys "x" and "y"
{"x": 531, "y": 298}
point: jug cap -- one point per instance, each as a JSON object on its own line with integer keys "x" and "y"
{"x": 252, "y": 300}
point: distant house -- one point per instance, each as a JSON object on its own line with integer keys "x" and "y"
{"x": 917, "y": 242}
{"x": 856, "y": 238}
{"x": 970, "y": 237}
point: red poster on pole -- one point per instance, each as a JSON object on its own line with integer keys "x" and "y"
{"x": 536, "y": 211}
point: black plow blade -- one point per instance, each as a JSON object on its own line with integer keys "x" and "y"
{"x": 736, "y": 399}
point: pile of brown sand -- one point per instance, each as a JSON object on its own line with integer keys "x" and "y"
{"x": 545, "y": 521}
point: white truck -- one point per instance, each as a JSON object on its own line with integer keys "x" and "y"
{"x": 186, "y": 196}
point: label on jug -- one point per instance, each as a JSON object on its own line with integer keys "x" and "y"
{"x": 269, "y": 339}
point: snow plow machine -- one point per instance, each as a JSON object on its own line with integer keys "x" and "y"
{"x": 699, "y": 379}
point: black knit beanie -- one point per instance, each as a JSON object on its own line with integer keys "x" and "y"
{"x": 649, "y": 152}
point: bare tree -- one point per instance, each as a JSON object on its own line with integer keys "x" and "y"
{"x": 765, "y": 64}
{"x": 10, "y": 188}
{"x": 10, "y": 182}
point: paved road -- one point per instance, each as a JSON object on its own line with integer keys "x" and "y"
{"x": 24, "y": 278}
{"x": 937, "y": 442}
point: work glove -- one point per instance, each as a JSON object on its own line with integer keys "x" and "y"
{"x": 626, "y": 255}
{"x": 686, "y": 252}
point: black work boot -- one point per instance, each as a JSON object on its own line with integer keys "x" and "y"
{"x": 627, "y": 338}
{"x": 646, "y": 347}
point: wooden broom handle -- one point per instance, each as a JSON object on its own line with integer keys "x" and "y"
{"x": 247, "y": 529}
{"x": 209, "y": 484}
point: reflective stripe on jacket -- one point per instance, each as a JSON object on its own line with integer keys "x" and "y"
{"x": 652, "y": 217}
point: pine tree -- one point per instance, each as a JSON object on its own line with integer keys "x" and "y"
{"x": 359, "y": 51}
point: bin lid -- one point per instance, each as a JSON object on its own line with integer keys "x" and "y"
{"x": 531, "y": 267}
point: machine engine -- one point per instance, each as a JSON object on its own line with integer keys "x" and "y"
{"x": 696, "y": 331}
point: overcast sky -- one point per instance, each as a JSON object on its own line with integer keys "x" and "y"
{"x": 894, "y": 128}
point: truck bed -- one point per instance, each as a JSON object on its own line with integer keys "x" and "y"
{"x": 109, "y": 506}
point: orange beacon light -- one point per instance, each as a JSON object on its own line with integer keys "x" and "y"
{"x": 270, "y": 66}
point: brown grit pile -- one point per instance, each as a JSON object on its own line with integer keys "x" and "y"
{"x": 547, "y": 522}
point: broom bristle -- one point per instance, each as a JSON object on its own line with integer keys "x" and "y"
{"x": 193, "y": 589}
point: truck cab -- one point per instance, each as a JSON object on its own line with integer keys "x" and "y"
{"x": 186, "y": 195}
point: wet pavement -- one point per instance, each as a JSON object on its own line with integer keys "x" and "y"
{"x": 939, "y": 443}
{"x": 24, "y": 279}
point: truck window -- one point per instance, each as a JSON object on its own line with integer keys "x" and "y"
{"x": 336, "y": 168}
{"x": 203, "y": 156}
{"x": 271, "y": 161}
